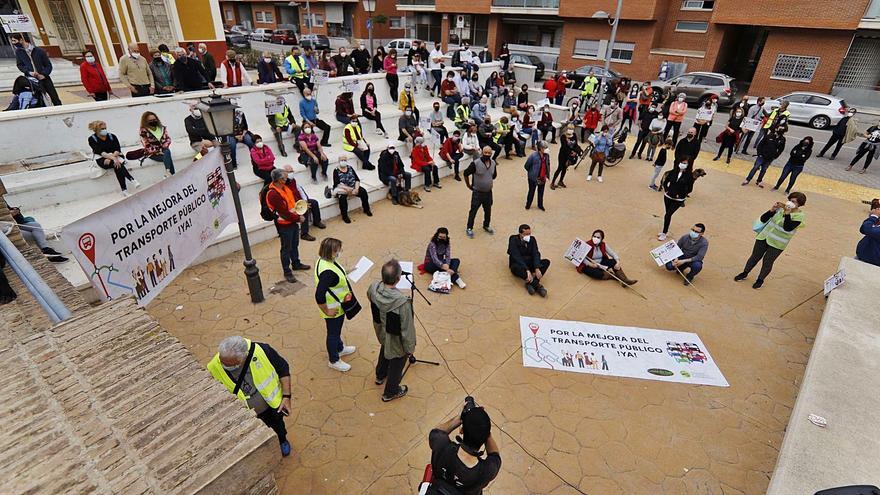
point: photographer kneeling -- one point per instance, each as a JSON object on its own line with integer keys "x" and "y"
{"x": 459, "y": 468}
{"x": 395, "y": 330}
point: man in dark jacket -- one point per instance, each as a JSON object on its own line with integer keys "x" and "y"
{"x": 838, "y": 134}
{"x": 392, "y": 173}
{"x": 417, "y": 47}
{"x": 525, "y": 260}
{"x": 768, "y": 150}
{"x": 395, "y": 330}
{"x": 197, "y": 130}
{"x": 208, "y": 63}
{"x": 868, "y": 249}
{"x": 189, "y": 75}
{"x": 360, "y": 58}
{"x": 33, "y": 61}
{"x": 538, "y": 170}
{"x": 687, "y": 148}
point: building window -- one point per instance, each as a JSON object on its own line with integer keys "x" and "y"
{"x": 229, "y": 15}
{"x": 692, "y": 26}
{"x": 264, "y": 17}
{"x": 623, "y": 52}
{"x": 697, "y": 4}
{"x": 794, "y": 68}
{"x": 318, "y": 20}
{"x": 397, "y": 22}
{"x": 586, "y": 48}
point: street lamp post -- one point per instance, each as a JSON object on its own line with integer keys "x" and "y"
{"x": 370, "y": 7}
{"x": 604, "y": 15}
{"x": 219, "y": 116}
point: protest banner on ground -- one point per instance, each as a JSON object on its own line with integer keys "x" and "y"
{"x": 630, "y": 352}
{"x": 140, "y": 244}
{"x": 750, "y": 125}
{"x": 577, "y": 251}
{"x": 666, "y": 252}
{"x": 835, "y": 281}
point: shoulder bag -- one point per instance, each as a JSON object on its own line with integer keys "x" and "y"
{"x": 351, "y": 307}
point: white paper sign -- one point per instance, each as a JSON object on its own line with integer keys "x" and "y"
{"x": 666, "y": 252}
{"x": 320, "y": 76}
{"x": 351, "y": 86}
{"x": 577, "y": 251}
{"x": 363, "y": 266}
{"x": 750, "y": 124}
{"x": 18, "y": 23}
{"x": 705, "y": 114}
{"x": 404, "y": 284}
{"x": 835, "y": 281}
{"x": 273, "y": 107}
{"x": 630, "y": 352}
{"x": 140, "y": 244}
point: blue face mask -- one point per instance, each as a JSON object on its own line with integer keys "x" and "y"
{"x": 693, "y": 235}
{"x": 103, "y": 132}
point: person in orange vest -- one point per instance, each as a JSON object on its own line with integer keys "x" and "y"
{"x": 232, "y": 71}
{"x": 281, "y": 198}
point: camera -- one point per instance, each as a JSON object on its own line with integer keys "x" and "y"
{"x": 469, "y": 404}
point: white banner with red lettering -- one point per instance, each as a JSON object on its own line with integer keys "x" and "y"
{"x": 139, "y": 245}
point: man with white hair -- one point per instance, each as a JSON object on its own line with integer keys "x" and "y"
{"x": 264, "y": 384}
{"x": 189, "y": 75}
{"x": 134, "y": 72}
{"x": 208, "y": 62}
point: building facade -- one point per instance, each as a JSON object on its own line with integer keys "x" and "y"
{"x": 773, "y": 47}
{"x": 68, "y": 28}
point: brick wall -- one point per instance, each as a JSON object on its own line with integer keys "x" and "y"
{"x": 460, "y": 7}
{"x": 383, "y": 7}
{"x": 830, "y": 46}
{"x": 632, "y": 9}
{"x": 670, "y": 38}
{"x": 825, "y": 14}
{"x": 263, "y": 9}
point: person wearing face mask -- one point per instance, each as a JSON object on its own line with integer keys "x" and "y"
{"x": 479, "y": 178}
{"x": 308, "y": 110}
{"x": 283, "y": 121}
{"x": 660, "y": 162}
{"x": 655, "y": 135}
{"x": 438, "y": 257}
{"x": 268, "y": 71}
{"x": 332, "y": 288}
{"x": 646, "y": 116}
{"x": 845, "y": 130}
{"x": 390, "y": 67}
{"x": 470, "y": 142}
{"x": 467, "y": 59}
{"x": 590, "y": 121}
{"x": 297, "y": 70}
{"x": 771, "y": 148}
{"x": 528, "y": 129}
{"x": 260, "y": 377}
{"x": 562, "y": 83}
{"x": 155, "y": 141}
{"x": 197, "y": 130}
{"x": 163, "y": 77}
{"x": 545, "y": 125}
{"x": 346, "y": 184}
{"x": 525, "y": 262}
{"x": 392, "y": 173}
{"x": 353, "y": 142}
{"x": 612, "y": 116}
{"x": 631, "y": 102}
{"x": 870, "y": 148}
{"x": 687, "y": 148}
{"x": 677, "y": 110}
{"x": 601, "y": 147}
{"x": 569, "y": 153}
{"x": 240, "y": 134}
{"x": 475, "y": 89}
{"x": 538, "y": 170}
{"x": 730, "y": 136}
{"x": 281, "y": 198}
{"x": 775, "y": 229}
{"x": 450, "y": 95}
{"x": 646, "y": 97}
{"x": 778, "y": 117}
{"x": 108, "y": 154}
{"x": 343, "y": 62}
{"x": 522, "y": 99}
{"x": 208, "y": 62}
{"x": 134, "y": 72}
{"x": 601, "y": 260}
{"x": 438, "y": 122}
{"x": 486, "y": 133}
{"x": 693, "y": 246}
{"x": 677, "y": 184}
{"x": 435, "y": 65}
{"x": 504, "y": 137}
{"x": 34, "y": 62}
{"x": 93, "y": 78}
{"x": 311, "y": 152}
{"x": 796, "y": 161}
{"x": 393, "y": 323}
{"x": 262, "y": 160}
{"x": 452, "y": 152}
{"x": 344, "y": 107}
{"x": 360, "y": 59}
{"x": 707, "y": 112}
{"x": 480, "y": 109}
{"x": 422, "y": 162}
{"x": 407, "y": 101}
{"x": 462, "y": 82}
{"x": 408, "y": 128}
{"x": 754, "y": 112}
{"x": 503, "y": 56}
{"x": 370, "y": 108}
{"x": 189, "y": 75}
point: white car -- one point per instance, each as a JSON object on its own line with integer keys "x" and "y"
{"x": 402, "y": 45}
{"x": 261, "y": 34}
{"x": 819, "y": 110}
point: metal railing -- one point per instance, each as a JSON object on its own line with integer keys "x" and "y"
{"x": 46, "y": 298}
{"x": 527, "y": 4}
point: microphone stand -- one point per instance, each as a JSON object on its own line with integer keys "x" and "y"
{"x": 413, "y": 290}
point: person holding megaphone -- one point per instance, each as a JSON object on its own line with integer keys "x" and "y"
{"x": 282, "y": 197}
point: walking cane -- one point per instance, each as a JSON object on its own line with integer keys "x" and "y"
{"x": 611, "y": 272}
{"x": 690, "y": 282}
{"x": 802, "y": 302}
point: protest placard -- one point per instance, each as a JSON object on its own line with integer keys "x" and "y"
{"x": 577, "y": 251}
{"x": 666, "y": 252}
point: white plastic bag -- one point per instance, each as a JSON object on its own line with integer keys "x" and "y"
{"x": 441, "y": 282}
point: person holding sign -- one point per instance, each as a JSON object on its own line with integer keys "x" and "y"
{"x": 600, "y": 259}
{"x": 754, "y": 113}
{"x": 703, "y": 121}
{"x": 693, "y": 249}
{"x": 775, "y": 229}
{"x": 525, "y": 260}
{"x": 282, "y": 120}
{"x": 308, "y": 110}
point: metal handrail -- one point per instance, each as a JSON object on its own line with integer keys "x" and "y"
{"x": 46, "y": 298}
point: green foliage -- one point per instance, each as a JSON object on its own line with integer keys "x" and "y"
{"x": 380, "y": 18}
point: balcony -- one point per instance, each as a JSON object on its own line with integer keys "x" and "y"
{"x": 416, "y": 5}
{"x": 540, "y": 7}
{"x": 871, "y": 19}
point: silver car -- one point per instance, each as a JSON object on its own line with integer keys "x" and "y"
{"x": 818, "y": 110}
{"x": 698, "y": 86}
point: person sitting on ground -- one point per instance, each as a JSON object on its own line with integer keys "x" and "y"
{"x": 197, "y": 130}
{"x": 281, "y": 122}
{"x": 525, "y": 260}
{"x": 156, "y": 141}
{"x": 344, "y": 107}
{"x": 422, "y": 162}
{"x": 452, "y": 152}
{"x": 438, "y": 257}
{"x": 262, "y": 160}
{"x": 346, "y": 184}
{"x": 311, "y": 152}
{"x": 108, "y": 154}
{"x": 693, "y": 250}
{"x": 392, "y": 173}
{"x": 601, "y": 261}
{"x": 33, "y": 233}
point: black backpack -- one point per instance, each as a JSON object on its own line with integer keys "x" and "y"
{"x": 266, "y": 213}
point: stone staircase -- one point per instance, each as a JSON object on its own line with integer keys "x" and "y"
{"x": 64, "y": 73}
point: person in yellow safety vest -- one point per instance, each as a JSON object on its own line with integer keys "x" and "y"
{"x": 353, "y": 141}
{"x": 463, "y": 113}
{"x": 775, "y": 229}
{"x": 778, "y": 117}
{"x": 297, "y": 70}
{"x": 284, "y": 121}
{"x": 588, "y": 85}
{"x": 503, "y": 136}
{"x": 264, "y": 384}
{"x": 331, "y": 290}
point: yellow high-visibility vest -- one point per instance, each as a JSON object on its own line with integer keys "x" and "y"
{"x": 355, "y": 132}
{"x": 502, "y": 130}
{"x": 340, "y": 289}
{"x": 263, "y": 373}
{"x": 298, "y": 64}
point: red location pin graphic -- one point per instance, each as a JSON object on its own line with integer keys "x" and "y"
{"x": 87, "y": 246}
{"x": 534, "y": 328}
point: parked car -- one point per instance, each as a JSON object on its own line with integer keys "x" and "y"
{"x": 284, "y": 37}
{"x": 698, "y": 86}
{"x": 577, "y": 77}
{"x": 402, "y": 45}
{"x": 520, "y": 58}
{"x": 239, "y": 29}
{"x": 237, "y": 41}
{"x": 818, "y": 110}
{"x": 316, "y": 41}
{"x": 261, "y": 34}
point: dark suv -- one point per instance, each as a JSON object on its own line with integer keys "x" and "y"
{"x": 317, "y": 41}
{"x": 698, "y": 86}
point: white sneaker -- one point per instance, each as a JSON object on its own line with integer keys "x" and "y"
{"x": 379, "y": 132}
{"x": 661, "y": 236}
{"x": 340, "y": 366}
{"x": 589, "y": 178}
{"x": 136, "y": 184}
{"x": 599, "y": 178}
{"x": 165, "y": 175}
{"x": 125, "y": 194}
{"x": 459, "y": 282}
{"x": 349, "y": 349}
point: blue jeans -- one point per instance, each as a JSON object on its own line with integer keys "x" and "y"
{"x": 233, "y": 146}
{"x": 334, "y": 337}
{"x": 451, "y": 101}
{"x": 391, "y": 182}
{"x": 312, "y": 217}
{"x": 533, "y": 133}
{"x": 289, "y": 235}
{"x": 794, "y": 170}
{"x": 165, "y": 158}
{"x": 760, "y": 163}
{"x": 696, "y": 267}
{"x": 454, "y": 263}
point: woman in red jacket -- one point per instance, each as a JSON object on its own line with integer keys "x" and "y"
{"x": 422, "y": 162}
{"x": 591, "y": 121}
{"x": 93, "y": 79}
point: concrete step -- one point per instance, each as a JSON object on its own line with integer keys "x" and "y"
{"x": 64, "y": 73}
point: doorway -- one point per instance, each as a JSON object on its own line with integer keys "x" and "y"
{"x": 741, "y": 49}
{"x": 7, "y": 7}
{"x": 66, "y": 31}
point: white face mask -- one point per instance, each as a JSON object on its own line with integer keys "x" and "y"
{"x": 597, "y": 240}
{"x": 203, "y": 50}
{"x": 309, "y": 97}
{"x": 90, "y": 59}
{"x": 361, "y": 47}
{"x": 307, "y": 130}
{"x": 342, "y": 53}
{"x": 514, "y": 120}
{"x": 790, "y": 204}
{"x": 408, "y": 113}
{"x": 527, "y": 238}
{"x": 135, "y": 55}
{"x": 259, "y": 144}
{"x": 197, "y": 113}
{"x": 391, "y": 150}
{"x": 682, "y": 166}
{"x": 680, "y": 98}
{"x": 267, "y": 59}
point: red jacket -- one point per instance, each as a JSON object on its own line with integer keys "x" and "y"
{"x": 93, "y": 78}
{"x": 550, "y": 86}
{"x": 591, "y": 118}
{"x": 421, "y": 157}
{"x": 449, "y": 146}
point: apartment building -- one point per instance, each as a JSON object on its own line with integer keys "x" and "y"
{"x": 775, "y": 47}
